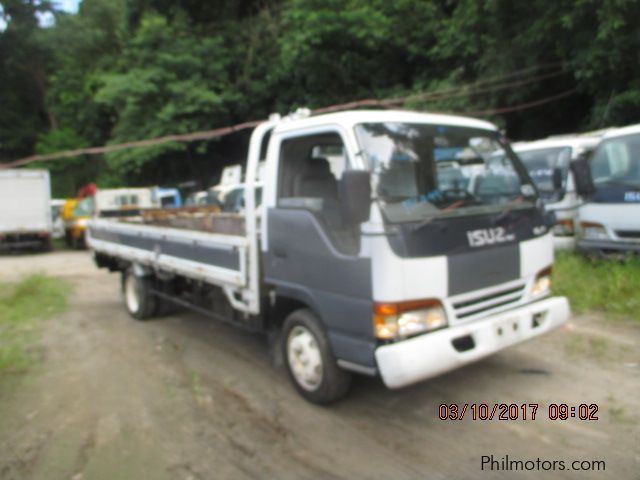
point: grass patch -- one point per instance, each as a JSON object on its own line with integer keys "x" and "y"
{"x": 607, "y": 286}
{"x": 616, "y": 414}
{"x": 23, "y": 305}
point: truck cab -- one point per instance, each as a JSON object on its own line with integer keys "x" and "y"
{"x": 167, "y": 197}
{"x": 417, "y": 254}
{"x": 609, "y": 222}
{"x": 548, "y": 163}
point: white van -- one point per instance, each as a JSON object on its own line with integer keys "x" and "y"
{"x": 609, "y": 223}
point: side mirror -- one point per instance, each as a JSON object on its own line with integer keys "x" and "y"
{"x": 557, "y": 179}
{"x": 355, "y": 196}
{"x": 549, "y": 218}
{"x": 582, "y": 176}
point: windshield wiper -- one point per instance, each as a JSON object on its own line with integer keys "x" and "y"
{"x": 448, "y": 208}
{"x": 507, "y": 211}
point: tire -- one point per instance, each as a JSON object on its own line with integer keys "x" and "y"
{"x": 47, "y": 245}
{"x": 166, "y": 308}
{"x": 78, "y": 243}
{"x": 138, "y": 299}
{"x": 304, "y": 344}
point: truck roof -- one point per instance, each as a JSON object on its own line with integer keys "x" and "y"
{"x": 575, "y": 142}
{"x": 619, "y": 132}
{"x": 348, "y": 119}
{"x": 24, "y": 172}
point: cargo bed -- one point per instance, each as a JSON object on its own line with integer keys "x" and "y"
{"x": 215, "y": 258}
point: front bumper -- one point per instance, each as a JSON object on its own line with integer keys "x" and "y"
{"x": 606, "y": 248}
{"x": 23, "y": 240}
{"x": 564, "y": 243}
{"x": 410, "y": 361}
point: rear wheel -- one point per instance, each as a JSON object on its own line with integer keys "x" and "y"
{"x": 140, "y": 302}
{"x": 312, "y": 368}
{"x": 47, "y": 245}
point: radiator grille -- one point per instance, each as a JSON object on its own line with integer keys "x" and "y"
{"x": 483, "y": 302}
{"x": 629, "y": 234}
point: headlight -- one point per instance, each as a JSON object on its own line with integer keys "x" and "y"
{"x": 405, "y": 319}
{"x": 563, "y": 228}
{"x": 82, "y": 222}
{"x": 593, "y": 231}
{"x": 542, "y": 284}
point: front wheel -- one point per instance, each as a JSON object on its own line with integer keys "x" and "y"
{"x": 310, "y": 362}
{"x": 140, "y": 302}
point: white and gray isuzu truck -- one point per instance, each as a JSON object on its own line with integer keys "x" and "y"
{"x": 385, "y": 244}
{"x": 548, "y": 162}
{"x": 609, "y": 220}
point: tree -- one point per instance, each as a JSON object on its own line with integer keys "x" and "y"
{"x": 23, "y": 80}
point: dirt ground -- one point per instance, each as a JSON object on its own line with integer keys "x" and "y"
{"x": 184, "y": 397}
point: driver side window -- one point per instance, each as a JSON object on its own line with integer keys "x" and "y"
{"x": 311, "y": 168}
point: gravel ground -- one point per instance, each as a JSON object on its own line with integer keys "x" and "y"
{"x": 184, "y": 397}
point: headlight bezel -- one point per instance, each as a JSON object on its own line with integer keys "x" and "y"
{"x": 564, "y": 228}
{"x": 593, "y": 231}
{"x": 541, "y": 286}
{"x": 402, "y": 320}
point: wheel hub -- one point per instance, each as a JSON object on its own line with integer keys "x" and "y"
{"x": 131, "y": 294}
{"x": 304, "y": 358}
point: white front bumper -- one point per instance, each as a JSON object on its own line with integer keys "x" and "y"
{"x": 410, "y": 361}
{"x": 564, "y": 243}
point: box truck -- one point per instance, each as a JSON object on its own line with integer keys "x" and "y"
{"x": 25, "y": 209}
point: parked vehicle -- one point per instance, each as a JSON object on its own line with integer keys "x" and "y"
{"x": 67, "y": 216}
{"x": 196, "y": 199}
{"x": 609, "y": 222}
{"x": 167, "y": 197}
{"x": 374, "y": 264}
{"x": 234, "y": 199}
{"x": 76, "y": 226}
{"x": 548, "y": 164}
{"x": 25, "y": 209}
{"x": 77, "y": 213}
{"x": 114, "y": 202}
{"x": 230, "y": 178}
{"x": 57, "y": 222}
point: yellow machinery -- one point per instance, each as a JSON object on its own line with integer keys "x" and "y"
{"x": 76, "y": 214}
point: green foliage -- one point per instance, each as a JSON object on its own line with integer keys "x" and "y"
{"x": 23, "y": 58}
{"x": 170, "y": 80}
{"x": 67, "y": 176}
{"x": 330, "y": 50}
{"x": 606, "y": 286}
{"x": 23, "y": 305}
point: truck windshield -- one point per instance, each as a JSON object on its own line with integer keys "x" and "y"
{"x": 616, "y": 164}
{"x": 540, "y": 165}
{"x": 422, "y": 171}
{"x": 85, "y": 208}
